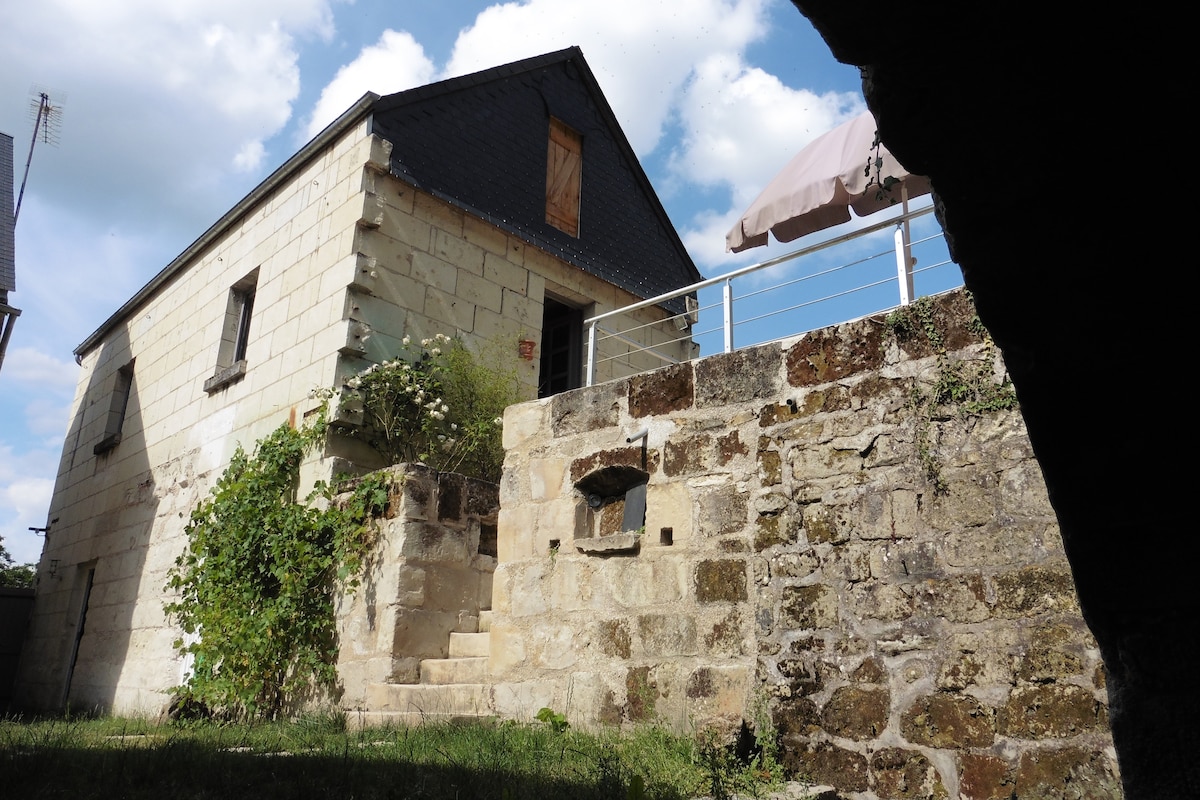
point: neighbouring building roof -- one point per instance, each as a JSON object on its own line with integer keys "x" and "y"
{"x": 8, "y": 253}
{"x": 480, "y": 142}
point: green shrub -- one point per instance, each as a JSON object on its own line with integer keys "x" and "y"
{"x": 437, "y": 404}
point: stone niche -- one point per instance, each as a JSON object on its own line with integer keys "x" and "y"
{"x": 611, "y": 512}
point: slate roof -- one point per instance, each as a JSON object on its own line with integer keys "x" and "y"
{"x": 480, "y": 142}
{"x": 8, "y": 253}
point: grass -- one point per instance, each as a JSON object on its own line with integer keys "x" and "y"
{"x": 317, "y": 757}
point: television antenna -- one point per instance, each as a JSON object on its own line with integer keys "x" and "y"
{"x": 45, "y": 109}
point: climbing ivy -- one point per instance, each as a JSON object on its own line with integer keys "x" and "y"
{"x": 964, "y": 387}
{"x": 256, "y": 582}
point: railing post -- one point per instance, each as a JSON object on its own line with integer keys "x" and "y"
{"x": 904, "y": 263}
{"x": 727, "y": 297}
{"x": 590, "y": 373}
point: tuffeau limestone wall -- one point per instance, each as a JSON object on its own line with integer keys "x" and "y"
{"x": 833, "y": 531}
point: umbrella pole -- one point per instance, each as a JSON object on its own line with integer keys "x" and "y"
{"x": 904, "y": 260}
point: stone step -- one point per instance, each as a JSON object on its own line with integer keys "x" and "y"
{"x": 485, "y": 621}
{"x": 447, "y": 671}
{"x": 470, "y": 645}
{"x": 420, "y": 701}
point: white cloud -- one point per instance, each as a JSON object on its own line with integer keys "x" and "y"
{"x": 39, "y": 371}
{"x": 642, "y": 51}
{"x": 24, "y": 499}
{"x": 159, "y": 96}
{"x": 250, "y": 157}
{"x": 397, "y": 62}
{"x": 741, "y": 125}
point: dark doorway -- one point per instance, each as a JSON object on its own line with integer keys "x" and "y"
{"x": 562, "y": 348}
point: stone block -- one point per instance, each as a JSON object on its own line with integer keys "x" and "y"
{"x": 880, "y": 600}
{"x": 685, "y": 455}
{"x": 949, "y": 721}
{"x": 645, "y": 582}
{"x": 826, "y": 763}
{"x": 792, "y": 564}
{"x": 832, "y": 354}
{"x": 575, "y": 583}
{"x": 1035, "y": 590}
{"x": 615, "y": 470}
{"x": 901, "y": 773}
{"x": 612, "y": 637}
{"x": 554, "y": 647}
{"x": 507, "y": 650}
{"x": 958, "y": 599}
{"x": 504, "y": 273}
{"x": 480, "y": 292}
{"x": 515, "y": 533}
{"x": 737, "y": 377}
{"x": 808, "y": 607}
{"x": 857, "y": 713}
{"x": 662, "y": 391}
{"x": 717, "y": 693}
{"x": 985, "y": 777}
{"x": 546, "y": 478}
{"x": 776, "y": 529}
{"x": 1050, "y": 772}
{"x": 1050, "y": 711}
{"x": 455, "y": 250}
{"x": 585, "y": 410}
{"x": 667, "y": 635}
{"x": 722, "y": 510}
{"x": 825, "y": 525}
{"x": 984, "y": 669}
{"x": 431, "y": 542}
{"x": 721, "y": 581}
{"x": 728, "y": 636}
{"x": 669, "y": 507}
{"x": 524, "y": 421}
{"x": 485, "y": 235}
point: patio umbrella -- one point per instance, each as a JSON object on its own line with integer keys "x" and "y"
{"x": 818, "y": 187}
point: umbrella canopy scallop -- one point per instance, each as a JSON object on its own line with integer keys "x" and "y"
{"x": 817, "y": 189}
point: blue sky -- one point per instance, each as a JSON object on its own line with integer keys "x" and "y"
{"x": 173, "y": 111}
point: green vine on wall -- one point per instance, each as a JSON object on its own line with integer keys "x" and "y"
{"x": 256, "y": 582}
{"x": 967, "y": 388}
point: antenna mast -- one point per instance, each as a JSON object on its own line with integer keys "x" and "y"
{"x": 47, "y": 117}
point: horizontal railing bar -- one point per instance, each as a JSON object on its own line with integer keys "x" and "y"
{"x": 640, "y": 347}
{"x": 883, "y": 282}
{"x": 662, "y": 298}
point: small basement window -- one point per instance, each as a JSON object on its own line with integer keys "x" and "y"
{"x": 564, "y": 165}
{"x": 235, "y": 334}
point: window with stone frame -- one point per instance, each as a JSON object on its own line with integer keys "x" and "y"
{"x": 235, "y": 334}
{"x": 118, "y": 404}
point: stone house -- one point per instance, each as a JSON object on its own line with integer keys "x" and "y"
{"x": 502, "y": 207}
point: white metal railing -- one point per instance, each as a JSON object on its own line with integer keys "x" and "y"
{"x": 835, "y": 278}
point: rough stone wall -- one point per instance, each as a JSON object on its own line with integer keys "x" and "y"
{"x": 429, "y": 574}
{"x": 882, "y": 570}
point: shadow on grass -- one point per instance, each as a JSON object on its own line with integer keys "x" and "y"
{"x": 365, "y": 766}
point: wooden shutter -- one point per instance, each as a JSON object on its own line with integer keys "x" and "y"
{"x": 564, "y": 164}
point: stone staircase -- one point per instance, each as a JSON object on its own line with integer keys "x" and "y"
{"x": 451, "y": 688}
